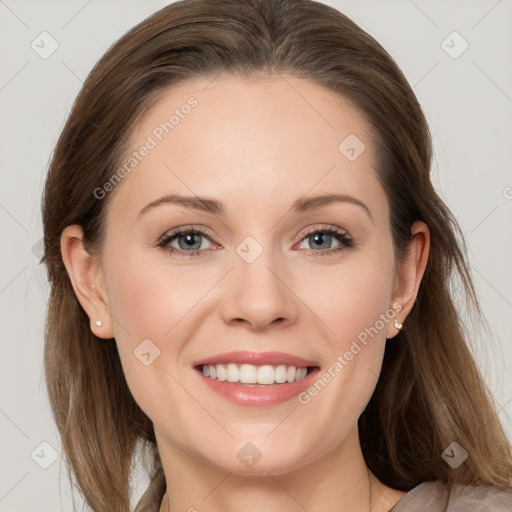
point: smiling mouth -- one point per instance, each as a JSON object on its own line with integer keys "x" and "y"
{"x": 255, "y": 375}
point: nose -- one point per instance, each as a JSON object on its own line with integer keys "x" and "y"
{"x": 259, "y": 294}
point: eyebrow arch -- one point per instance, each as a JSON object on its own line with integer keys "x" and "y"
{"x": 216, "y": 207}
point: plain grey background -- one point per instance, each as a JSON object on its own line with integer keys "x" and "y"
{"x": 466, "y": 94}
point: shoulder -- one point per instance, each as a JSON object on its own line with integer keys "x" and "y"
{"x": 435, "y": 497}
{"x": 481, "y": 497}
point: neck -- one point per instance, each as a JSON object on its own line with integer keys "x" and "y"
{"x": 338, "y": 481}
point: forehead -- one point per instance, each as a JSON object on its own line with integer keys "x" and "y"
{"x": 275, "y": 137}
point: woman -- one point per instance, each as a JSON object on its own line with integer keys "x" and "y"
{"x": 195, "y": 315}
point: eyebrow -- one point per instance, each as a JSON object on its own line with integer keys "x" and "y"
{"x": 216, "y": 207}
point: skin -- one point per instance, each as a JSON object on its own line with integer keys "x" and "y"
{"x": 255, "y": 145}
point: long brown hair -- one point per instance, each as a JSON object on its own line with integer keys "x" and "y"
{"x": 430, "y": 392}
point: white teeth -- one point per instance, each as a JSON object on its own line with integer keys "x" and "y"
{"x": 265, "y": 375}
{"x": 303, "y": 373}
{"x": 281, "y": 373}
{"x": 221, "y": 372}
{"x": 232, "y": 373}
{"x": 250, "y": 374}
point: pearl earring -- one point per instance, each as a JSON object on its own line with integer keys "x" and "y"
{"x": 398, "y": 325}
{"x": 99, "y": 322}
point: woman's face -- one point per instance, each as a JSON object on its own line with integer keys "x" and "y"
{"x": 267, "y": 271}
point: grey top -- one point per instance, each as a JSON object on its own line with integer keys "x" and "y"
{"x": 431, "y": 497}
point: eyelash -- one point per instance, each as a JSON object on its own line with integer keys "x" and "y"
{"x": 346, "y": 241}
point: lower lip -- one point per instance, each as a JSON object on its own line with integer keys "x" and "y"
{"x": 258, "y": 396}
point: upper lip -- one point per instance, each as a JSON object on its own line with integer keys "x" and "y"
{"x": 257, "y": 359}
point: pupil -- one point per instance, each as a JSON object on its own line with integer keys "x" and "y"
{"x": 189, "y": 239}
{"x": 319, "y": 237}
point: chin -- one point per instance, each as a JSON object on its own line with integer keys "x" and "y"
{"x": 251, "y": 459}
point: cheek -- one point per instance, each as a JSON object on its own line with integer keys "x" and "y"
{"x": 359, "y": 310}
{"x": 150, "y": 299}
{"x": 368, "y": 299}
{"x": 354, "y": 297}
{"x": 151, "y": 306}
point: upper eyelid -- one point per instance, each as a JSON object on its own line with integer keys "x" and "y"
{"x": 325, "y": 227}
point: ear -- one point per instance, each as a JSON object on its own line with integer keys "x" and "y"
{"x": 409, "y": 274}
{"x": 87, "y": 280}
